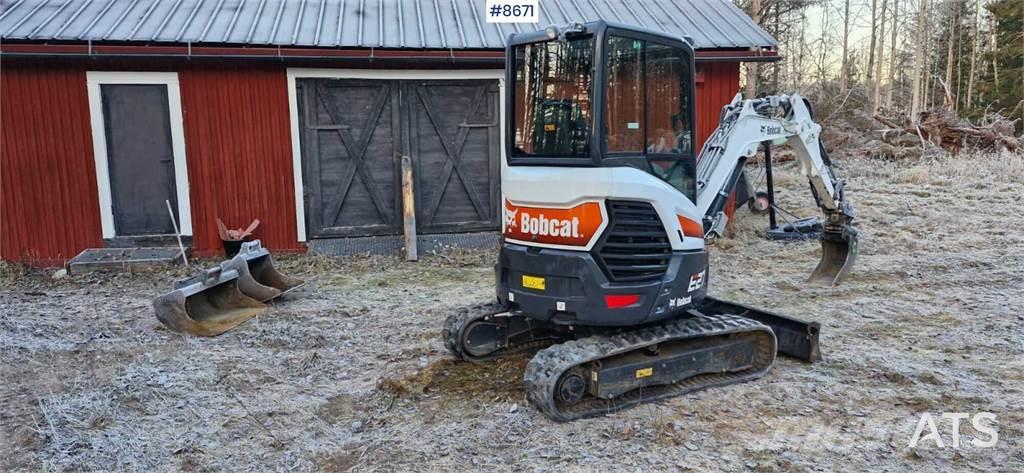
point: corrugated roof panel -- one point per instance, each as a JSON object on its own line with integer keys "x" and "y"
{"x": 455, "y": 24}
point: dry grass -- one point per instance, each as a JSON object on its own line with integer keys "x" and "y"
{"x": 349, "y": 373}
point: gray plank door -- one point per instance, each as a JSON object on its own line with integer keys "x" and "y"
{"x": 455, "y": 144}
{"x": 140, "y": 157}
{"x": 354, "y": 132}
{"x": 350, "y": 128}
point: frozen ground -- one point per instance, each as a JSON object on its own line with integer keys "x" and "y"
{"x": 350, "y": 373}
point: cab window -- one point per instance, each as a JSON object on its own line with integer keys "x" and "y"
{"x": 647, "y": 108}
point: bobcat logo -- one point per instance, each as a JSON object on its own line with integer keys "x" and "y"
{"x": 510, "y": 218}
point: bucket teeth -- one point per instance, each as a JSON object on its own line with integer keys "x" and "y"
{"x": 225, "y": 296}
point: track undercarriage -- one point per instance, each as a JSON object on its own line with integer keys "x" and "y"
{"x": 585, "y": 371}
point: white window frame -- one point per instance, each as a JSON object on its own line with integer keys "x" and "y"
{"x": 295, "y": 73}
{"x": 94, "y": 79}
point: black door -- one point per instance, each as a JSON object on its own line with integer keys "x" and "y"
{"x": 140, "y": 158}
{"x": 354, "y": 132}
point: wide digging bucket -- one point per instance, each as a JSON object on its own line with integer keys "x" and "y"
{"x": 257, "y": 276}
{"x": 838, "y": 254}
{"x": 207, "y": 304}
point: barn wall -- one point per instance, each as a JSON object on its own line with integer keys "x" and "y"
{"x": 237, "y": 141}
{"x": 49, "y": 203}
{"x": 238, "y": 144}
{"x": 238, "y": 147}
{"x": 721, "y": 81}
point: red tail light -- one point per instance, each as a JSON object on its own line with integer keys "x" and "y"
{"x": 616, "y": 301}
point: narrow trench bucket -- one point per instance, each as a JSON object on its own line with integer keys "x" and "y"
{"x": 207, "y": 304}
{"x": 258, "y": 278}
{"x": 838, "y": 255}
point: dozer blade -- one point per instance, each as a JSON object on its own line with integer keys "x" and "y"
{"x": 838, "y": 254}
{"x": 207, "y": 304}
{"x": 257, "y": 276}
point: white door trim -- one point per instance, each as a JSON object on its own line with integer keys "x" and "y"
{"x": 99, "y": 142}
{"x": 379, "y": 74}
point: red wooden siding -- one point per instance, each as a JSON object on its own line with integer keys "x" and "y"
{"x": 720, "y": 84}
{"x": 238, "y": 146}
{"x": 721, "y": 81}
{"x": 237, "y": 140}
{"x": 49, "y": 207}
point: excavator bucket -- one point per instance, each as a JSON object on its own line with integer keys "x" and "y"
{"x": 257, "y": 276}
{"x": 838, "y": 253}
{"x": 207, "y": 304}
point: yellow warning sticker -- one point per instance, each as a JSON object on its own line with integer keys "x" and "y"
{"x": 533, "y": 282}
{"x": 550, "y": 127}
{"x": 644, "y": 372}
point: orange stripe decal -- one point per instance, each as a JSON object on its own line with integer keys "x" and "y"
{"x": 690, "y": 228}
{"x": 575, "y": 226}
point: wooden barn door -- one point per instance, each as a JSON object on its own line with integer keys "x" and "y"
{"x": 354, "y": 132}
{"x": 455, "y": 140}
{"x": 350, "y": 128}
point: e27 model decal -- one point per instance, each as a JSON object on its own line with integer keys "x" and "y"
{"x": 696, "y": 281}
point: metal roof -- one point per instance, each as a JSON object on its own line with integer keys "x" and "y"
{"x": 432, "y": 24}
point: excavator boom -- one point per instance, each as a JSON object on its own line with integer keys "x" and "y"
{"x": 778, "y": 119}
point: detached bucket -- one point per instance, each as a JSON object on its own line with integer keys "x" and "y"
{"x": 207, "y": 304}
{"x": 838, "y": 254}
{"x": 257, "y": 276}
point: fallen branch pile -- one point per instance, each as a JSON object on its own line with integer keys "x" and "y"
{"x": 944, "y": 129}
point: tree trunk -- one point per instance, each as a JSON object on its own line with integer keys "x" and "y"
{"x": 776, "y": 66}
{"x": 876, "y": 101}
{"x": 994, "y": 45}
{"x": 929, "y": 66}
{"x": 974, "y": 53}
{"x": 919, "y": 57}
{"x": 947, "y": 101}
{"x": 959, "y": 70}
{"x": 799, "y": 76}
{"x": 846, "y": 47}
{"x": 871, "y": 48}
{"x": 892, "y": 52}
{"x": 755, "y": 14}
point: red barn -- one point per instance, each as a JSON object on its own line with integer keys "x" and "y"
{"x": 292, "y": 112}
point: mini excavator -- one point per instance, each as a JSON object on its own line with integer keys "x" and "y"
{"x": 602, "y": 269}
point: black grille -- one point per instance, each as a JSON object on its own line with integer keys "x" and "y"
{"x": 635, "y": 246}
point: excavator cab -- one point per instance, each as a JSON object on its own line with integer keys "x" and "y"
{"x": 603, "y": 95}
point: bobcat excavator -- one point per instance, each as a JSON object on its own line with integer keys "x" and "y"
{"x": 603, "y": 266}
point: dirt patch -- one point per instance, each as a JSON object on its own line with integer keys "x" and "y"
{"x": 349, "y": 372}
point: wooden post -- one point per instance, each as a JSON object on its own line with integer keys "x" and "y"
{"x": 408, "y": 210}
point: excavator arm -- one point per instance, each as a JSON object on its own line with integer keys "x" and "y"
{"x": 777, "y": 119}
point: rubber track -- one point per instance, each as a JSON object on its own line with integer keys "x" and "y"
{"x": 545, "y": 369}
{"x": 455, "y": 324}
